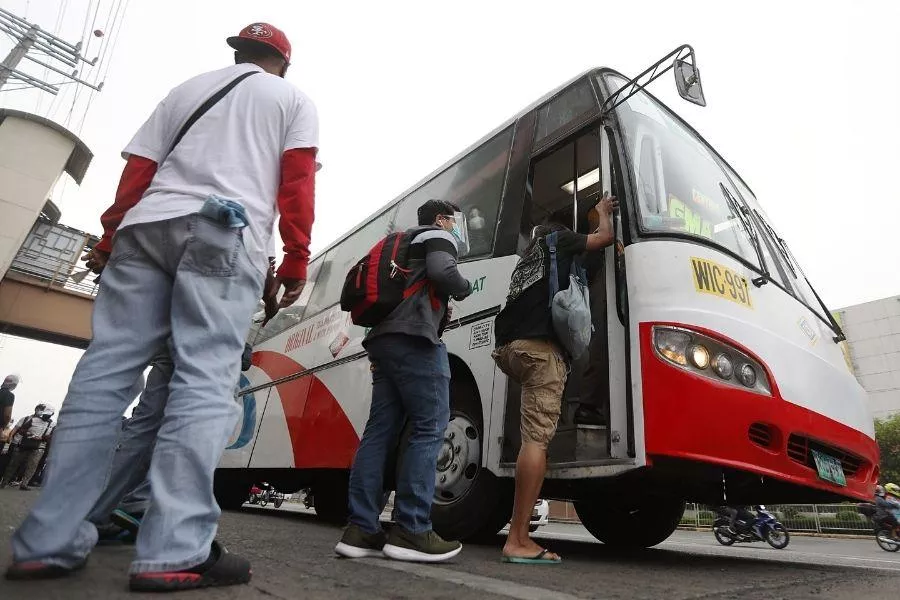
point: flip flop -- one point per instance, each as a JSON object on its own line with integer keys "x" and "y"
{"x": 538, "y": 559}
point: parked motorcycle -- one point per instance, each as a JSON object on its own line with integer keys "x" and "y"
{"x": 764, "y": 528}
{"x": 885, "y": 537}
{"x": 265, "y": 494}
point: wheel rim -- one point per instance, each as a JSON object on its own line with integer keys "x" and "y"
{"x": 458, "y": 460}
{"x": 777, "y": 537}
{"x": 884, "y": 540}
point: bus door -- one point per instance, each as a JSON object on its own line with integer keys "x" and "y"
{"x": 564, "y": 184}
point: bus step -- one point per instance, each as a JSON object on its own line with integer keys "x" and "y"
{"x": 576, "y": 443}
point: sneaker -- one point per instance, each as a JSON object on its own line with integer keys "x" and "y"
{"x": 130, "y": 522}
{"x": 419, "y": 547}
{"x": 356, "y": 543}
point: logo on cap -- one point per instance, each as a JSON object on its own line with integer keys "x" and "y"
{"x": 259, "y": 30}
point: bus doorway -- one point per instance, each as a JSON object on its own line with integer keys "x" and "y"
{"x": 563, "y": 186}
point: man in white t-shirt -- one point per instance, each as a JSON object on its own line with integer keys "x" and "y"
{"x": 192, "y": 219}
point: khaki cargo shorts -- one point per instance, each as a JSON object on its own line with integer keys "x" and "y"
{"x": 538, "y": 367}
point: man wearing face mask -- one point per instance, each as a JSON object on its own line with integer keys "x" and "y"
{"x": 410, "y": 382}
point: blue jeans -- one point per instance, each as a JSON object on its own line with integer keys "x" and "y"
{"x": 128, "y": 487}
{"x": 410, "y": 381}
{"x": 190, "y": 279}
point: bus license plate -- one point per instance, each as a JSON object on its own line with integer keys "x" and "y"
{"x": 829, "y": 468}
{"x": 712, "y": 278}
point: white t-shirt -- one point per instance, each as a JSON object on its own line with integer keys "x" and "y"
{"x": 233, "y": 151}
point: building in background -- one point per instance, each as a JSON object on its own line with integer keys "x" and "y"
{"x": 873, "y": 344}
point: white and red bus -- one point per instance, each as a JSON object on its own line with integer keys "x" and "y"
{"x": 727, "y": 381}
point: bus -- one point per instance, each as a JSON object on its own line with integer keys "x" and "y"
{"x": 723, "y": 376}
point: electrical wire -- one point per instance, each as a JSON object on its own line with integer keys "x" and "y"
{"x": 107, "y": 66}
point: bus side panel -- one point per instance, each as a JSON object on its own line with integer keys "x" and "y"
{"x": 272, "y": 446}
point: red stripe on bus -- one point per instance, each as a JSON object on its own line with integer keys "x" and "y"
{"x": 321, "y": 435}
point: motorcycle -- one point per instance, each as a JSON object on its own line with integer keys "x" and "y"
{"x": 262, "y": 496}
{"x": 885, "y": 536}
{"x": 764, "y": 528}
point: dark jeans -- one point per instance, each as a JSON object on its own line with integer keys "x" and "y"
{"x": 410, "y": 381}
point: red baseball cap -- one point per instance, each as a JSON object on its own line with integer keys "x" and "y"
{"x": 262, "y": 33}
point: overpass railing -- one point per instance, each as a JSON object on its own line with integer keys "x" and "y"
{"x": 52, "y": 254}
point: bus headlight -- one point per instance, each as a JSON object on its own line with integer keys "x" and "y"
{"x": 672, "y": 344}
{"x": 723, "y": 366}
{"x": 699, "y": 356}
{"x": 710, "y": 358}
{"x": 747, "y": 375}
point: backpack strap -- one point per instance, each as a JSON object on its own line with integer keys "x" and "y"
{"x": 554, "y": 268}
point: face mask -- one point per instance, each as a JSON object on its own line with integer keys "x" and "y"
{"x": 460, "y": 231}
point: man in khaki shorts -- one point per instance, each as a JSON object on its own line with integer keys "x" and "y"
{"x": 529, "y": 353}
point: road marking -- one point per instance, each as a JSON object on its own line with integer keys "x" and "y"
{"x": 783, "y": 556}
{"x": 500, "y": 587}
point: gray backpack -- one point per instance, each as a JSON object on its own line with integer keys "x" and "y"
{"x": 571, "y": 307}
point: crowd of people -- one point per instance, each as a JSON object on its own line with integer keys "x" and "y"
{"x": 186, "y": 255}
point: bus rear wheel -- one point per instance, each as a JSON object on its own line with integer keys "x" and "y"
{"x": 331, "y": 499}
{"x": 470, "y": 503}
{"x": 231, "y": 492}
{"x": 641, "y": 522}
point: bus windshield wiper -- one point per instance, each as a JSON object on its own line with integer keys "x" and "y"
{"x": 743, "y": 213}
{"x": 779, "y": 243}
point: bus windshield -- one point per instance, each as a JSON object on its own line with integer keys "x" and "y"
{"x": 681, "y": 186}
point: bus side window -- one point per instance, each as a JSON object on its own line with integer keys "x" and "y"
{"x": 475, "y": 184}
{"x": 337, "y": 261}
{"x": 288, "y": 317}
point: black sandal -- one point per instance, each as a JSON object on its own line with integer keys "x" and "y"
{"x": 220, "y": 569}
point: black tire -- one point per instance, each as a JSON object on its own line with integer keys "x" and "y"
{"x": 484, "y": 507}
{"x": 723, "y": 537}
{"x": 778, "y": 537}
{"x": 533, "y": 528}
{"x": 279, "y": 502}
{"x": 230, "y": 492}
{"x": 630, "y": 522}
{"x": 883, "y": 537}
{"x": 331, "y": 498}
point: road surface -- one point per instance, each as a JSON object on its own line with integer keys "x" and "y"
{"x": 292, "y": 558}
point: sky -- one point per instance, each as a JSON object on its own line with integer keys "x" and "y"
{"x": 801, "y": 101}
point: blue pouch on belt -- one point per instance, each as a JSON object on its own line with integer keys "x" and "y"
{"x": 228, "y": 213}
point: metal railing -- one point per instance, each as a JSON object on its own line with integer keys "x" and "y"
{"x": 51, "y": 253}
{"x": 812, "y": 518}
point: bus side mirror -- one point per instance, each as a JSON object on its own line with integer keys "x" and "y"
{"x": 687, "y": 79}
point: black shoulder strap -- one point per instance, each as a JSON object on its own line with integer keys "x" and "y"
{"x": 210, "y": 102}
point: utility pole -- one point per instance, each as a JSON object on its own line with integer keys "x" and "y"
{"x": 32, "y": 40}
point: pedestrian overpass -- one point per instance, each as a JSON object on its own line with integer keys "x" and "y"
{"x": 47, "y": 294}
{"x": 44, "y": 293}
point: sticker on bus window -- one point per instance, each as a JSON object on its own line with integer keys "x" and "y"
{"x": 712, "y": 278}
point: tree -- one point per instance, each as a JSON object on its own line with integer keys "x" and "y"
{"x": 887, "y": 434}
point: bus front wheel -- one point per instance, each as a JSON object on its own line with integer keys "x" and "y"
{"x": 639, "y": 522}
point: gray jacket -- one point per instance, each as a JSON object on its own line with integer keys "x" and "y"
{"x": 432, "y": 260}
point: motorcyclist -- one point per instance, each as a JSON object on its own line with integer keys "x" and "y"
{"x": 887, "y": 506}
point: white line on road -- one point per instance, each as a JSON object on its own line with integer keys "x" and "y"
{"x": 784, "y": 556}
{"x": 500, "y": 587}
